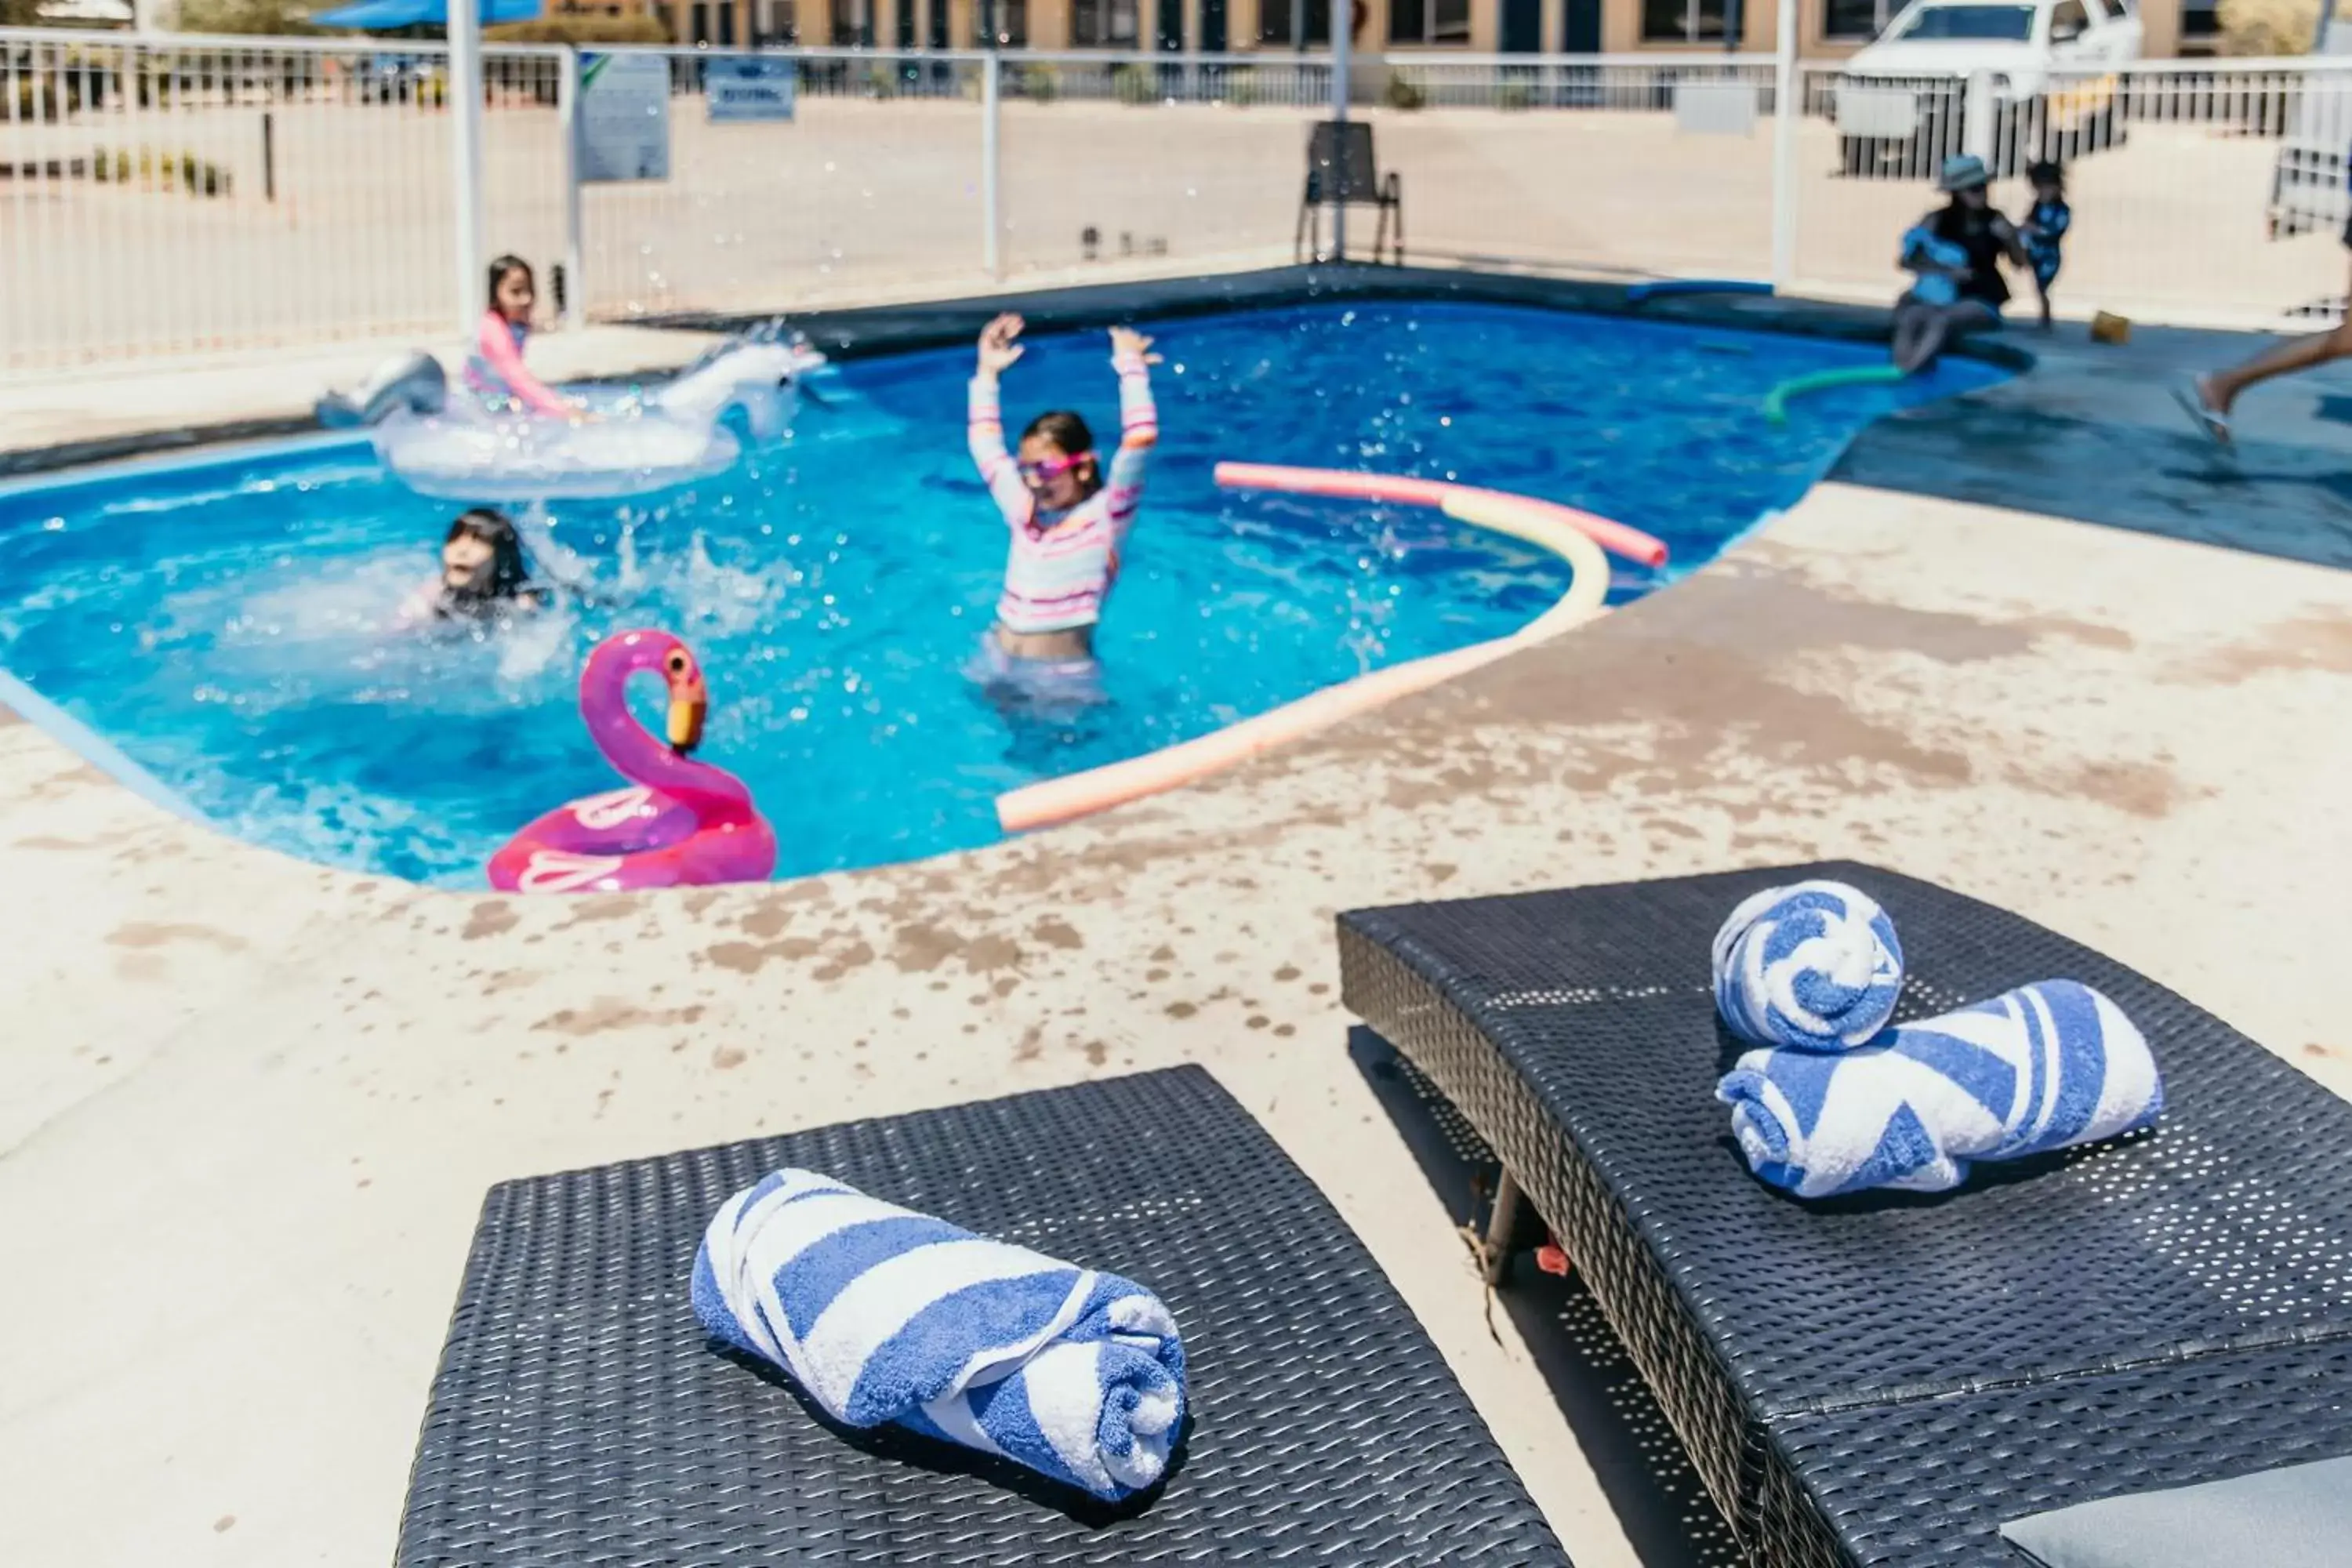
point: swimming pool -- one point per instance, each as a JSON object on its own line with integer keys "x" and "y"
{"x": 222, "y": 621}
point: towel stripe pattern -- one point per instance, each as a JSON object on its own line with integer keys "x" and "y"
{"x": 880, "y": 1314}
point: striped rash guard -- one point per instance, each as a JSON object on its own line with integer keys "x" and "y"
{"x": 1062, "y": 564}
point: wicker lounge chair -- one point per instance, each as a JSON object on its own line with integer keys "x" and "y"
{"x": 579, "y": 1416}
{"x": 1884, "y": 1380}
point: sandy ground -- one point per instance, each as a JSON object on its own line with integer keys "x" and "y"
{"x": 250, "y": 1106}
{"x": 860, "y": 200}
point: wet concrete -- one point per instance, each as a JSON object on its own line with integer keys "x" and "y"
{"x": 2095, "y": 434}
{"x": 250, "y": 1105}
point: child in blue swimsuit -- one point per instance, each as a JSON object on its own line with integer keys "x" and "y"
{"x": 2045, "y": 228}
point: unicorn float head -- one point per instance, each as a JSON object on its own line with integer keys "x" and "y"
{"x": 679, "y": 822}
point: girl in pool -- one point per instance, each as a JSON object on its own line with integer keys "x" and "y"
{"x": 1068, "y": 518}
{"x": 496, "y": 371}
{"x": 483, "y": 574}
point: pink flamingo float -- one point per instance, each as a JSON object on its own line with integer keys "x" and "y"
{"x": 680, "y": 822}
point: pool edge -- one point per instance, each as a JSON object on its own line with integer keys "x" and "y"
{"x": 89, "y": 746}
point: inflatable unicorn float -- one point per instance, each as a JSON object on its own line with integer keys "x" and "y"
{"x": 468, "y": 449}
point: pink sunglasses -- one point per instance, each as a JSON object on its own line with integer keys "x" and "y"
{"x": 1052, "y": 469}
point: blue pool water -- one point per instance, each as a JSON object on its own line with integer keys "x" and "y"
{"x": 224, "y": 622}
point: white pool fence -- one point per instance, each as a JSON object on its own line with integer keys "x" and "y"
{"x": 178, "y": 196}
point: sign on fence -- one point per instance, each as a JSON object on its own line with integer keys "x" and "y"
{"x": 1715, "y": 108}
{"x": 743, "y": 87}
{"x": 624, "y": 120}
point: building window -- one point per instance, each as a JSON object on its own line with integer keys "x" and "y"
{"x": 1007, "y": 19}
{"x": 778, "y": 24}
{"x": 1103, "y": 25}
{"x": 1682, "y": 21}
{"x": 1428, "y": 21}
{"x": 852, "y": 28}
{"x": 1277, "y": 23}
{"x": 1856, "y": 18}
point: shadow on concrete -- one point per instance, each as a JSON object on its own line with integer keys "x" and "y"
{"x": 1657, "y": 1496}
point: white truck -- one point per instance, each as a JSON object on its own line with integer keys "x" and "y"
{"x": 2038, "y": 72}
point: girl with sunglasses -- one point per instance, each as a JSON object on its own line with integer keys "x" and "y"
{"x": 1068, "y": 517}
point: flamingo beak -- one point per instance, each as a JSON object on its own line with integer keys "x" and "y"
{"x": 687, "y": 707}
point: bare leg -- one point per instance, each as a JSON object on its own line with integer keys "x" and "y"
{"x": 2217, "y": 390}
{"x": 2220, "y": 388}
{"x": 1933, "y": 326}
{"x": 2042, "y": 290}
{"x": 1918, "y": 334}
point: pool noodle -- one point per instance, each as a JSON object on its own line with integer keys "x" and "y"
{"x": 1642, "y": 291}
{"x": 1555, "y": 528}
{"x": 1615, "y": 537}
{"x": 1776, "y": 402}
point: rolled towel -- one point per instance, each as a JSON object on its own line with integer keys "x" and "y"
{"x": 2034, "y": 1069}
{"x": 1814, "y": 966}
{"x": 883, "y": 1315}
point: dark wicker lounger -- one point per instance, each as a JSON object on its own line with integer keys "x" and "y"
{"x": 1884, "y": 1380}
{"x": 579, "y": 1418}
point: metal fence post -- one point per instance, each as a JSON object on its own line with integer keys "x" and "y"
{"x": 1788, "y": 116}
{"x": 464, "y": 99}
{"x": 567, "y": 120}
{"x": 991, "y": 182}
{"x": 1977, "y": 117}
{"x": 1339, "y": 41}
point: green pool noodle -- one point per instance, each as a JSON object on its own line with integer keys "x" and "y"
{"x": 1776, "y": 402}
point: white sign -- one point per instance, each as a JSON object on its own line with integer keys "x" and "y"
{"x": 1715, "y": 108}
{"x": 747, "y": 87}
{"x": 623, "y": 127}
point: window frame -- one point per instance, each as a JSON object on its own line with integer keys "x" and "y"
{"x": 1425, "y": 32}
{"x": 1269, "y": 10}
{"x": 1104, "y": 16}
{"x": 1694, "y": 16}
{"x": 1882, "y": 12}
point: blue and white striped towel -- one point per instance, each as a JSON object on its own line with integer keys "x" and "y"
{"x": 1813, "y": 966}
{"x": 879, "y": 1315}
{"x": 2034, "y": 1069}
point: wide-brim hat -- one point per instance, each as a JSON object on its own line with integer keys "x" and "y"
{"x": 1967, "y": 172}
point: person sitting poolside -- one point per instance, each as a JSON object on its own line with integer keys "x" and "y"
{"x": 1956, "y": 254}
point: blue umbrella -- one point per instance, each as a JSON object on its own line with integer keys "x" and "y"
{"x": 384, "y": 15}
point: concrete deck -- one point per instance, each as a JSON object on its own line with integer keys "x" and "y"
{"x": 251, "y": 1105}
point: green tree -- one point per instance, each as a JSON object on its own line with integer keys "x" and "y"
{"x": 2267, "y": 27}
{"x": 266, "y": 17}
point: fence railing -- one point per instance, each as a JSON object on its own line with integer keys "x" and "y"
{"x": 177, "y": 196}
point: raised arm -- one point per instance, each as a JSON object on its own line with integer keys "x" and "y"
{"x": 496, "y": 346}
{"x": 985, "y": 424}
{"x": 1138, "y": 424}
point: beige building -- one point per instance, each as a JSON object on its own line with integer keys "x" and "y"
{"x": 1826, "y": 28}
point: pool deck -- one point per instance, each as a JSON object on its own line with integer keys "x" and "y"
{"x": 252, "y": 1105}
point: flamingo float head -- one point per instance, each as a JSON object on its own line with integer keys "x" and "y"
{"x": 618, "y": 658}
{"x": 689, "y": 699}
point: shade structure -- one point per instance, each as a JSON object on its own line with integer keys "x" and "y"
{"x": 384, "y": 16}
